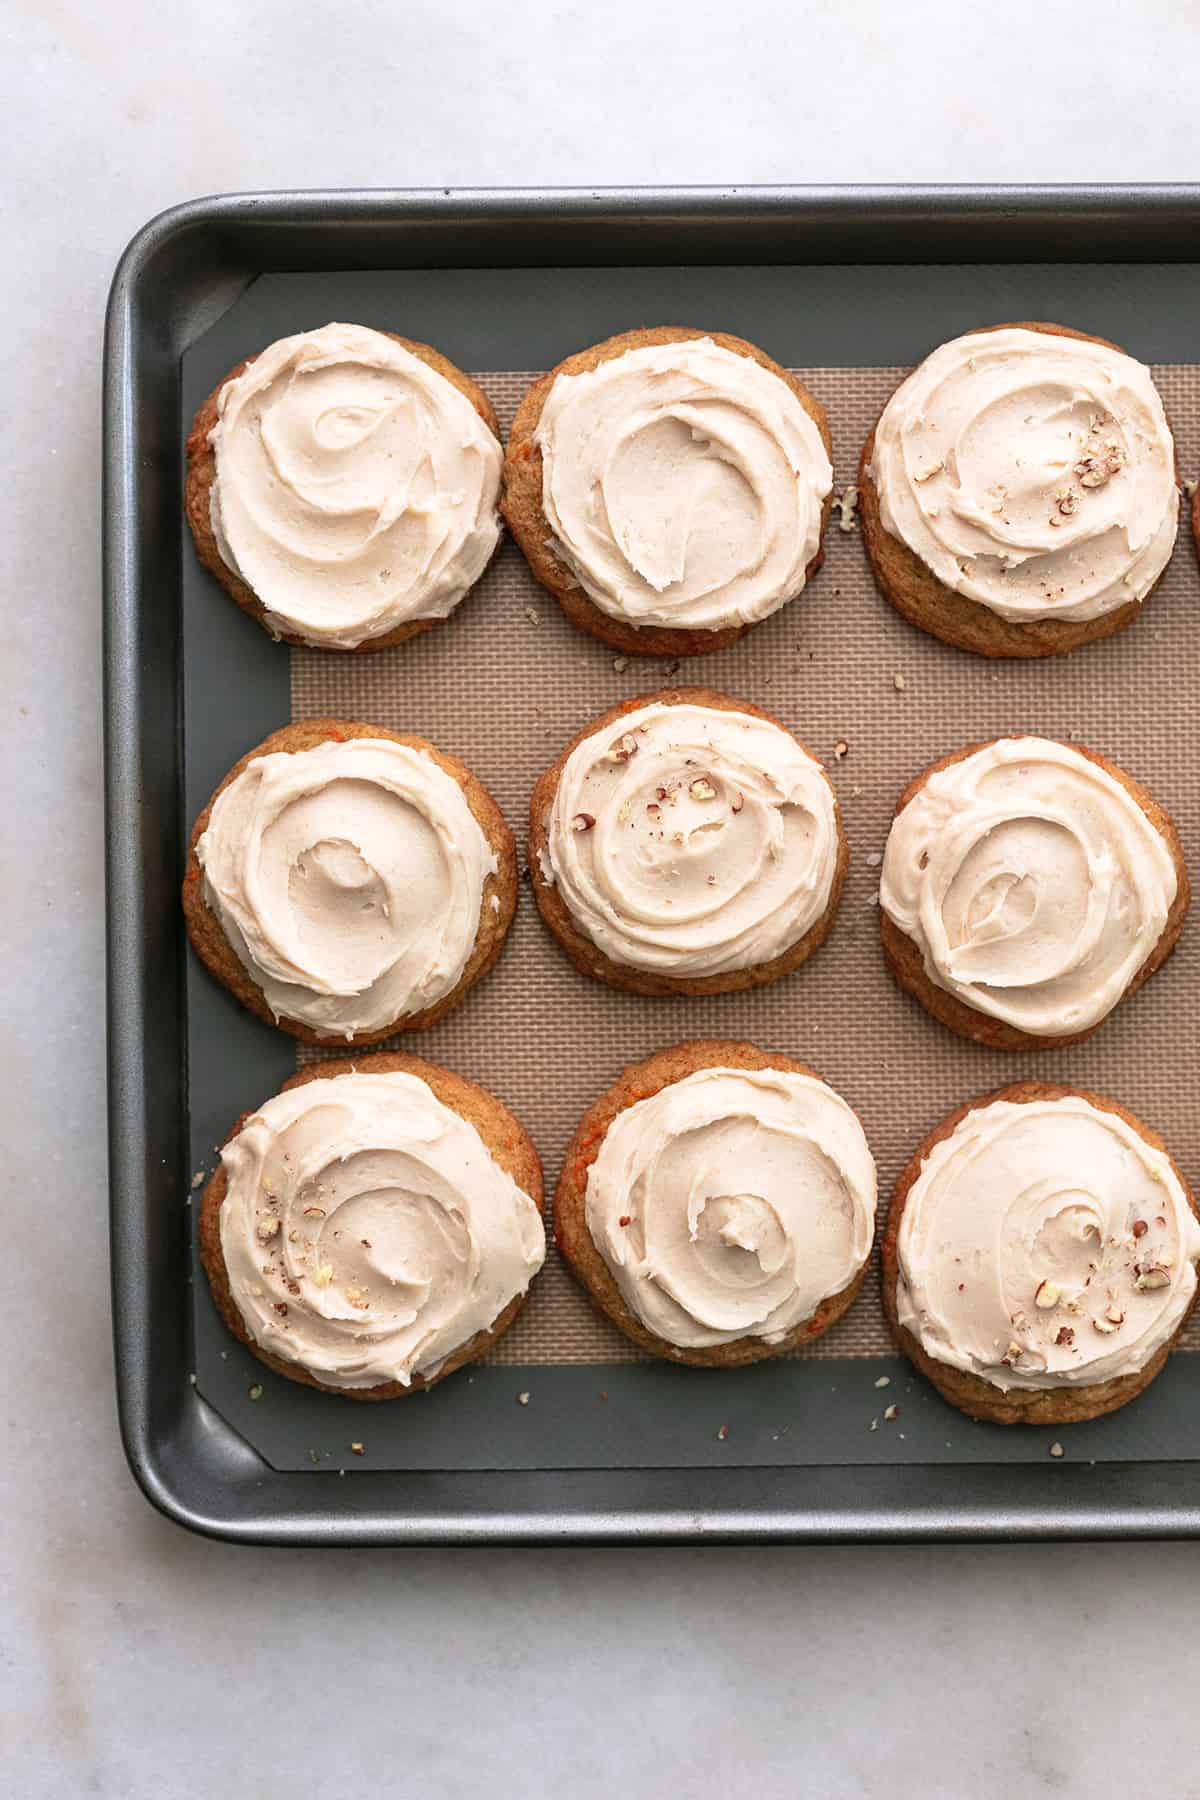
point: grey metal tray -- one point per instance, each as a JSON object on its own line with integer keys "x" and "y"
{"x": 504, "y": 280}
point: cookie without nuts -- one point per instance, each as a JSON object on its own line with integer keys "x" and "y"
{"x": 522, "y": 496}
{"x": 638, "y": 1082}
{"x": 217, "y": 953}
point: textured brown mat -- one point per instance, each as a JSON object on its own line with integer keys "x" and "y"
{"x": 506, "y": 681}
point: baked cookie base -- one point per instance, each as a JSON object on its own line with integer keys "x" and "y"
{"x": 971, "y": 1394}
{"x": 639, "y": 1082}
{"x": 907, "y": 964}
{"x": 504, "y": 1136}
{"x": 587, "y": 956}
{"x": 218, "y": 955}
{"x": 522, "y": 498}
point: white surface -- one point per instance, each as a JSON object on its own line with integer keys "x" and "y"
{"x": 136, "y": 1661}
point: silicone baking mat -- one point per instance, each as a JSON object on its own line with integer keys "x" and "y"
{"x": 508, "y": 681}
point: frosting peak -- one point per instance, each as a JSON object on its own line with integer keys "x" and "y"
{"x": 1031, "y": 881}
{"x": 1045, "y": 1243}
{"x": 348, "y": 879}
{"x": 712, "y": 843}
{"x": 732, "y": 1204}
{"x": 684, "y": 484}
{"x": 1033, "y": 473}
{"x": 356, "y": 487}
{"x": 367, "y": 1231}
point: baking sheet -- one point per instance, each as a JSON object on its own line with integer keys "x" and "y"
{"x": 504, "y": 684}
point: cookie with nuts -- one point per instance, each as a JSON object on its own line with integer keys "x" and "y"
{"x": 1039, "y": 1258}
{"x": 717, "y": 1204}
{"x": 1019, "y": 501}
{"x": 706, "y": 508}
{"x": 341, "y": 1279}
{"x": 686, "y": 843}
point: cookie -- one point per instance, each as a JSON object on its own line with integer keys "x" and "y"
{"x": 998, "y": 516}
{"x": 306, "y": 927}
{"x": 686, "y": 843}
{"x": 302, "y": 468}
{"x": 670, "y": 488}
{"x": 374, "y": 1226}
{"x": 777, "y": 1248}
{"x": 1028, "y": 886}
{"x": 1039, "y": 1256}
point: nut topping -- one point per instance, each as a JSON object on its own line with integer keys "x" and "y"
{"x": 702, "y": 788}
{"x": 582, "y": 822}
{"x": 1153, "y": 1276}
{"x": 266, "y": 1229}
{"x": 1048, "y": 1295}
{"x": 1140, "y": 1228}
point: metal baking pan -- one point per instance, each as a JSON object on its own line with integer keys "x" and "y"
{"x": 514, "y": 280}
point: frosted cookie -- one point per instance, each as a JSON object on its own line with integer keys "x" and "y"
{"x": 1040, "y": 1256}
{"x": 343, "y": 487}
{"x": 670, "y": 487}
{"x": 686, "y": 843}
{"x": 1018, "y": 494}
{"x": 1027, "y": 887}
{"x": 373, "y": 1226}
{"x": 718, "y": 1204}
{"x": 346, "y": 882}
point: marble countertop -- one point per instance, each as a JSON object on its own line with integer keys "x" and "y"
{"x": 137, "y": 1660}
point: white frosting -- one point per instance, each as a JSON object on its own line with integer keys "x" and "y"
{"x": 356, "y": 488}
{"x": 349, "y": 881}
{"x": 732, "y": 1203}
{"x": 1031, "y": 472}
{"x": 713, "y": 843}
{"x": 367, "y": 1230}
{"x": 683, "y": 484}
{"x": 1031, "y": 881}
{"x": 1045, "y": 1244}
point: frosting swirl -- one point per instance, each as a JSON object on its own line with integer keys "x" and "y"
{"x": 356, "y": 487}
{"x": 732, "y": 1203}
{"x": 367, "y": 1231}
{"x": 683, "y": 484}
{"x": 349, "y": 881}
{"x": 1031, "y": 881}
{"x": 1031, "y": 472}
{"x": 1043, "y": 1244}
{"x": 691, "y": 841}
